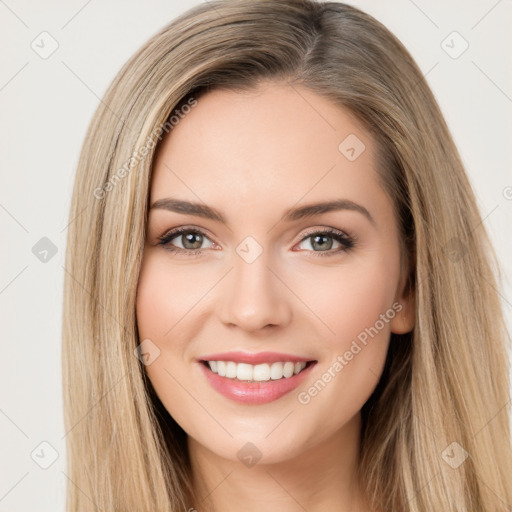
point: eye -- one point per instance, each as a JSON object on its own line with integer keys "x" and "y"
{"x": 191, "y": 240}
{"x": 323, "y": 240}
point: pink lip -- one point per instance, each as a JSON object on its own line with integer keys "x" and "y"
{"x": 258, "y": 358}
{"x": 254, "y": 392}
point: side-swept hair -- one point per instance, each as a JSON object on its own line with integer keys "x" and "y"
{"x": 445, "y": 382}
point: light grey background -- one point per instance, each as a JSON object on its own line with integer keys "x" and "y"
{"x": 45, "y": 107}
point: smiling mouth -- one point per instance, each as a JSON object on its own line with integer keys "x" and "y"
{"x": 264, "y": 372}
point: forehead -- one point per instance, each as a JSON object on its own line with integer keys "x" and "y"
{"x": 269, "y": 146}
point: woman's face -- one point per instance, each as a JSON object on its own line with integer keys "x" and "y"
{"x": 257, "y": 274}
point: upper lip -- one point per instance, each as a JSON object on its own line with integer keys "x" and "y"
{"x": 254, "y": 358}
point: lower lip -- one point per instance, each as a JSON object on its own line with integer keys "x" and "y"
{"x": 254, "y": 392}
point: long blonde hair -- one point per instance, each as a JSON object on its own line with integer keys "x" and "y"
{"x": 444, "y": 393}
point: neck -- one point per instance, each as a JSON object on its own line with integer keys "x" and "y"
{"x": 322, "y": 478}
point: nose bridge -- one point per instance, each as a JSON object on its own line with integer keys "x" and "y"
{"x": 254, "y": 296}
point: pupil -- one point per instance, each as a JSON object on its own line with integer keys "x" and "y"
{"x": 322, "y": 245}
{"x": 189, "y": 238}
{"x": 319, "y": 241}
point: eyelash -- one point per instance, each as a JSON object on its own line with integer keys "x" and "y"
{"x": 347, "y": 242}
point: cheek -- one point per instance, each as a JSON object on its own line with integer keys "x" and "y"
{"x": 169, "y": 302}
{"x": 158, "y": 311}
{"x": 350, "y": 298}
{"x": 165, "y": 295}
{"x": 357, "y": 306}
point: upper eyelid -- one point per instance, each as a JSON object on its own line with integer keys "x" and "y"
{"x": 176, "y": 232}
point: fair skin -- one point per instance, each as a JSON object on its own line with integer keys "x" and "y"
{"x": 252, "y": 156}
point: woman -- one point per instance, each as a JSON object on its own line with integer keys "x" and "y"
{"x": 279, "y": 292}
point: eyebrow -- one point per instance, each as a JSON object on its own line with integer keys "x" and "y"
{"x": 293, "y": 214}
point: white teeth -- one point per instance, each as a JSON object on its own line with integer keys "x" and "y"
{"x": 243, "y": 371}
{"x": 288, "y": 369}
{"x": 221, "y": 368}
{"x": 276, "y": 371}
{"x": 230, "y": 369}
{"x": 259, "y": 372}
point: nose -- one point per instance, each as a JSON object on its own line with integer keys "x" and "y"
{"x": 253, "y": 297}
